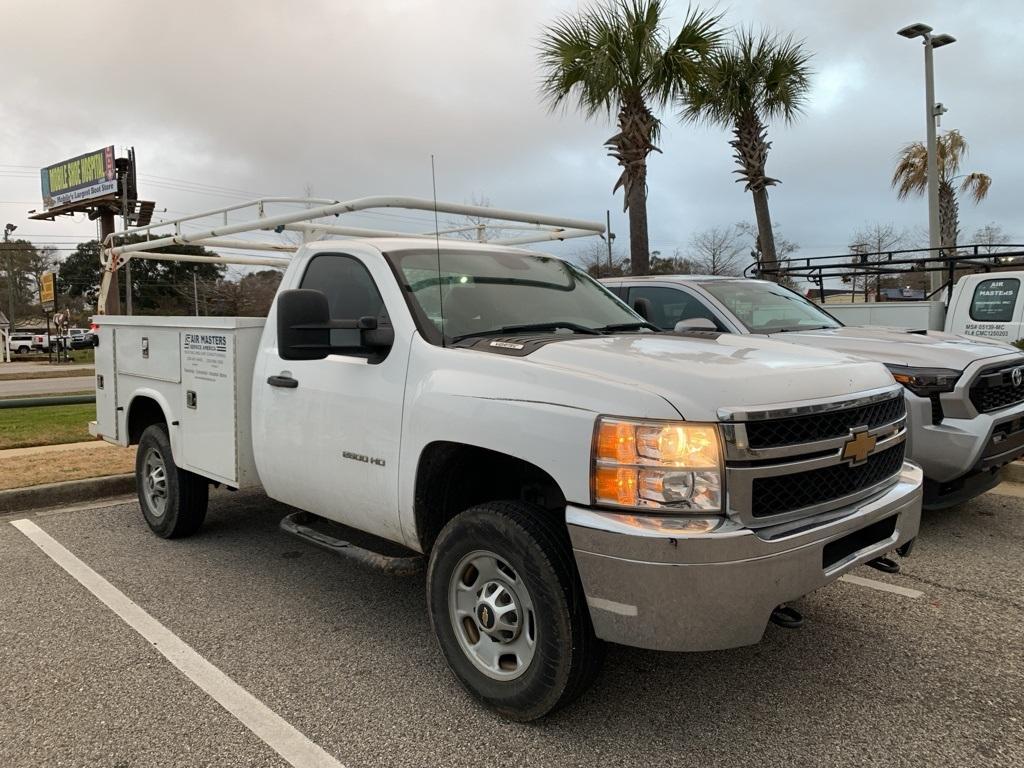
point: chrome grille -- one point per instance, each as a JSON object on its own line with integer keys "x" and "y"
{"x": 784, "y": 493}
{"x": 806, "y": 429}
{"x": 786, "y": 462}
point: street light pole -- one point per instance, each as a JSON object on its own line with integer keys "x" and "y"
{"x": 931, "y": 42}
{"x": 10, "y": 275}
{"x": 934, "y": 238}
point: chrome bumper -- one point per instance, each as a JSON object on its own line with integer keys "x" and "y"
{"x": 654, "y": 585}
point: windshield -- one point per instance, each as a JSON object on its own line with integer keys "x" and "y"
{"x": 768, "y": 308}
{"x": 484, "y": 292}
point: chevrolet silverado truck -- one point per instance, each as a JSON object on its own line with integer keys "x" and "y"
{"x": 965, "y": 396}
{"x": 567, "y": 474}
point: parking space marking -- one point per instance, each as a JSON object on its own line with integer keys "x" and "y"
{"x": 881, "y": 586}
{"x": 273, "y": 730}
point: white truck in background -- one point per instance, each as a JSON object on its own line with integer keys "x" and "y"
{"x": 964, "y": 396}
{"x": 985, "y": 305}
{"x": 569, "y": 474}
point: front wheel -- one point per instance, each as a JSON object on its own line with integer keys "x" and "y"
{"x": 508, "y": 610}
{"x": 173, "y": 500}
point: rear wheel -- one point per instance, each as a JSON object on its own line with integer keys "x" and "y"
{"x": 173, "y": 500}
{"x": 508, "y": 610}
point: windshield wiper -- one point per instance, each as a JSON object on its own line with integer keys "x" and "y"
{"x": 525, "y": 328}
{"x": 614, "y": 327}
{"x": 799, "y": 328}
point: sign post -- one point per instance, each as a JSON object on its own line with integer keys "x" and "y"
{"x": 48, "y": 298}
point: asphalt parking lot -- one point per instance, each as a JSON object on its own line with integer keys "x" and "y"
{"x": 344, "y": 656}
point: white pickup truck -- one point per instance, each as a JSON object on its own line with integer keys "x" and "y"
{"x": 568, "y": 474}
{"x": 965, "y": 397}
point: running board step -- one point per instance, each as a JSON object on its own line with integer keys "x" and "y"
{"x": 372, "y": 551}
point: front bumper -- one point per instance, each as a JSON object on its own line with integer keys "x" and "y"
{"x": 961, "y": 457}
{"x": 652, "y": 585}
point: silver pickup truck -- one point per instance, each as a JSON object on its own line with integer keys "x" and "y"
{"x": 965, "y": 397}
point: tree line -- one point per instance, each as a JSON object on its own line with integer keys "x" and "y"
{"x": 157, "y": 287}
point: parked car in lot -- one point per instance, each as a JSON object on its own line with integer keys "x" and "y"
{"x": 569, "y": 474}
{"x": 965, "y": 397}
{"x": 20, "y": 343}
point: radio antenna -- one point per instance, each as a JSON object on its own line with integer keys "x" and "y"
{"x": 437, "y": 246}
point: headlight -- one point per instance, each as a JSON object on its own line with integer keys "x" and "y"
{"x": 670, "y": 465}
{"x": 925, "y": 381}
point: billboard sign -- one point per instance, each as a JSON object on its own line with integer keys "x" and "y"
{"x": 79, "y": 179}
{"x": 46, "y": 292}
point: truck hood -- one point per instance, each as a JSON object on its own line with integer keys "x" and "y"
{"x": 901, "y": 347}
{"x": 700, "y": 375}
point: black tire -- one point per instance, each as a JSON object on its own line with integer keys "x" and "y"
{"x": 186, "y": 494}
{"x": 535, "y": 543}
{"x": 23, "y": 350}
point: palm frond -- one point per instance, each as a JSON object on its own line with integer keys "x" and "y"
{"x": 758, "y": 72}
{"x": 681, "y": 66}
{"x": 976, "y": 185}
{"x": 910, "y": 176}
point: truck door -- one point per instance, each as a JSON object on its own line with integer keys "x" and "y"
{"x": 327, "y": 441}
{"x": 990, "y": 307}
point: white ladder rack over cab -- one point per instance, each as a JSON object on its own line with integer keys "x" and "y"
{"x": 523, "y": 228}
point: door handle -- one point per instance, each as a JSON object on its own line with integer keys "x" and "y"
{"x": 282, "y": 381}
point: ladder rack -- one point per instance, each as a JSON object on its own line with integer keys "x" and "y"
{"x": 523, "y": 228}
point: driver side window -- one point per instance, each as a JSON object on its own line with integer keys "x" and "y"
{"x": 351, "y": 294}
{"x": 670, "y": 305}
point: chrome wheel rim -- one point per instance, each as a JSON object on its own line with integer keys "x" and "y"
{"x": 492, "y": 614}
{"x": 154, "y": 482}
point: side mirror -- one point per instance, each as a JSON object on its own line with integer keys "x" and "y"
{"x": 303, "y": 325}
{"x": 694, "y": 324}
{"x": 643, "y": 308}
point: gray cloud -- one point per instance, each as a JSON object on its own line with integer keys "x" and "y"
{"x": 353, "y": 98}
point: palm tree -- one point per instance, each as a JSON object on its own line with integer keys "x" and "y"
{"x": 618, "y": 59}
{"x": 911, "y": 177}
{"x": 757, "y": 78}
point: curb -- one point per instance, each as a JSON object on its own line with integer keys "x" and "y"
{"x": 67, "y": 492}
{"x": 1013, "y": 472}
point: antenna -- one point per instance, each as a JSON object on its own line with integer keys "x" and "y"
{"x": 437, "y": 246}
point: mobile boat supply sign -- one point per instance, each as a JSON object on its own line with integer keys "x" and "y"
{"x": 80, "y": 178}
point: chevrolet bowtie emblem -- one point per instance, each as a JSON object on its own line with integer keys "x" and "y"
{"x": 857, "y": 449}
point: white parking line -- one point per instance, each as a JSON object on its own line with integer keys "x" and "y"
{"x": 274, "y": 731}
{"x": 881, "y": 586}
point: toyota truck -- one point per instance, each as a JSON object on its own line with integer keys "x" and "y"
{"x": 965, "y": 396}
{"x": 567, "y": 474}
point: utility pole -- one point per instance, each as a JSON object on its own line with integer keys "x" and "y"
{"x": 113, "y": 306}
{"x": 10, "y": 275}
{"x": 195, "y": 290}
{"x": 128, "y": 266}
{"x": 609, "y": 236}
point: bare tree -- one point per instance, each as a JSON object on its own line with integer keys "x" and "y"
{"x": 717, "y": 251}
{"x": 869, "y": 245}
{"x": 474, "y": 227}
{"x": 593, "y": 256}
{"x": 990, "y": 238}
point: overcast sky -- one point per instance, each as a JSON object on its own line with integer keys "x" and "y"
{"x": 352, "y": 98}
